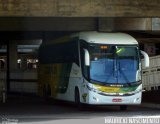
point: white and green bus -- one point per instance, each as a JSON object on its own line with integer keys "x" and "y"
{"x": 92, "y": 68}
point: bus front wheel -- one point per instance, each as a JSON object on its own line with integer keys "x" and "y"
{"x": 77, "y": 100}
{"x": 123, "y": 107}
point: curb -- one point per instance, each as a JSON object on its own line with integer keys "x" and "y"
{"x": 151, "y": 105}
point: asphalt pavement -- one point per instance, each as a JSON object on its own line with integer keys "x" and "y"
{"x": 34, "y": 110}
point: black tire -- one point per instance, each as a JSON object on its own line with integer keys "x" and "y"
{"x": 123, "y": 107}
{"x": 77, "y": 100}
{"x": 44, "y": 92}
{"x": 47, "y": 94}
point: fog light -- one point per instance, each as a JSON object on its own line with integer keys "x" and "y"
{"x": 97, "y": 100}
{"x": 135, "y": 100}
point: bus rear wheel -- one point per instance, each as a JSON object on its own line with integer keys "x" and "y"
{"x": 123, "y": 107}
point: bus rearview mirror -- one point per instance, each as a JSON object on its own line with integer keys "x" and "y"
{"x": 86, "y": 57}
{"x": 146, "y": 59}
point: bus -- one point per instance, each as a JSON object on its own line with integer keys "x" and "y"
{"x": 92, "y": 68}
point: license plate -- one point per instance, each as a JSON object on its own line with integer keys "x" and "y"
{"x": 117, "y": 100}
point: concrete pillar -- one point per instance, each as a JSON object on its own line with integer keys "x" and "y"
{"x": 155, "y": 24}
{"x": 23, "y": 63}
{"x": 5, "y": 64}
{"x": 13, "y": 56}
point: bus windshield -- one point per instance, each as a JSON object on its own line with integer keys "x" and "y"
{"x": 111, "y": 64}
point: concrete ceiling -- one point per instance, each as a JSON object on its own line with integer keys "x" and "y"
{"x": 79, "y": 8}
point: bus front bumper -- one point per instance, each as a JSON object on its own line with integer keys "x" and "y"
{"x": 98, "y": 99}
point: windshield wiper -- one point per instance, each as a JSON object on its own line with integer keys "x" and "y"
{"x": 125, "y": 77}
{"x": 98, "y": 82}
{"x": 135, "y": 83}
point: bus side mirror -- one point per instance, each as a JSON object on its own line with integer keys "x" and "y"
{"x": 86, "y": 57}
{"x": 146, "y": 59}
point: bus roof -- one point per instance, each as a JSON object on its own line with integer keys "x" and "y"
{"x": 106, "y": 38}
